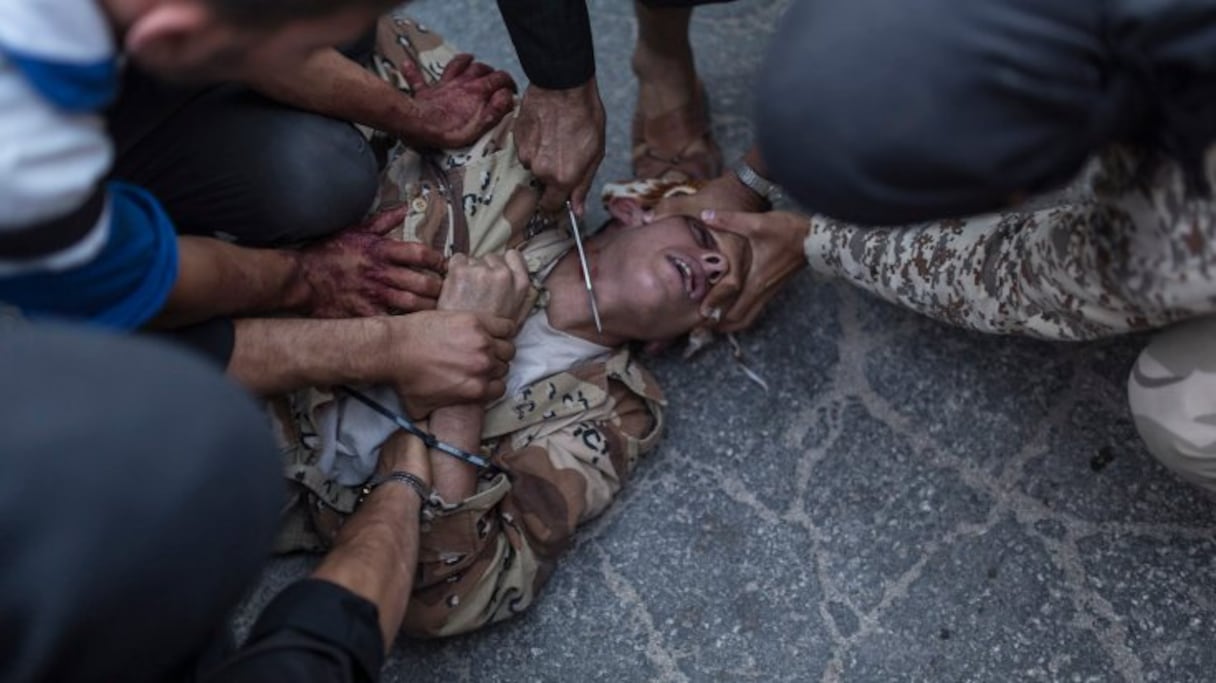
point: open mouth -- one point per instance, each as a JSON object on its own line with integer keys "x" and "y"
{"x": 690, "y": 275}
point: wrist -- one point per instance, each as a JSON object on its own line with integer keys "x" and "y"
{"x": 410, "y": 119}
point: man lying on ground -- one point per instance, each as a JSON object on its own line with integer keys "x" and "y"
{"x": 579, "y": 410}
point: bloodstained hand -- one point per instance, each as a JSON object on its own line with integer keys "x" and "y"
{"x": 467, "y": 100}
{"x": 361, "y": 272}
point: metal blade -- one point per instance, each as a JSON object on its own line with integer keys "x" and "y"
{"x": 582, "y": 259}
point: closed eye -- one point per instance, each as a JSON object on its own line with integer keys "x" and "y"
{"x": 702, "y": 235}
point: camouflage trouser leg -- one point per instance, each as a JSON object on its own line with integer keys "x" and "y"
{"x": 1172, "y": 393}
{"x": 1140, "y": 254}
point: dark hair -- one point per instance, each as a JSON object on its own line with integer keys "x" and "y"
{"x": 268, "y": 13}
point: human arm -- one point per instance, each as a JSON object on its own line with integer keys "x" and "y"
{"x": 466, "y": 101}
{"x": 497, "y": 285}
{"x": 1115, "y": 263}
{"x": 337, "y": 624}
{"x": 432, "y": 357}
{"x": 560, "y": 126}
{"x": 358, "y": 272}
{"x": 561, "y": 479}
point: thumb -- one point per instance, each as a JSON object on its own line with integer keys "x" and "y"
{"x": 497, "y": 326}
{"x": 456, "y": 66}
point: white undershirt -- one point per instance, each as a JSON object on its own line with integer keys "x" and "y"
{"x": 351, "y": 434}
{"x": 541, "y": 351}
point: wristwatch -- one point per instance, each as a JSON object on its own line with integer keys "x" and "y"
{"x": 767, "y": 189}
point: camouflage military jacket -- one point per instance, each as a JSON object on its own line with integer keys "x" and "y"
{"x": 566, "y": 443}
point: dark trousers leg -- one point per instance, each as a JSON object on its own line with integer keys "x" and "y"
{"x": 886, "y": 111}
{"x": 228, "y": 162}
{"x": 138, "y": 496}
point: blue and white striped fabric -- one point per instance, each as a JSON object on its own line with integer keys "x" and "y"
{"x": 117, "y": 260}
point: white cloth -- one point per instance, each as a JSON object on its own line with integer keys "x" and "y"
{"x": 351, "y": 434}
{"x": 50, "y": 159}
{"x": 541, "y": 351}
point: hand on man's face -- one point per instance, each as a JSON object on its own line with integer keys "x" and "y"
{"x": 775, "y": 239}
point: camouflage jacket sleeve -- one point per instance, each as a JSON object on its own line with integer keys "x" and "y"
{"x": 1135, "y": 254}
{"x": 576, "y": 438}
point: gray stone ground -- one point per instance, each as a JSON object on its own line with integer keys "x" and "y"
{"x": 907, "y": 503}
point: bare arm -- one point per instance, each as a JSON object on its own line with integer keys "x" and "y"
{"x": 468, "y": 99}
{"x": 493, "y": 284}
{"x": 433, "y": 358}
{"x": 217, "y": 279}
{"x": 376, "y": 550}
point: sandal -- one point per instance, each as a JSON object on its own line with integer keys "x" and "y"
{"x": 677, "y": 145}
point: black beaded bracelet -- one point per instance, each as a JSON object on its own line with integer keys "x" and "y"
{"x": 419, "y": 486}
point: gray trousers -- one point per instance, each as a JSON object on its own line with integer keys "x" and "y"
{"x": 139, "y": 493}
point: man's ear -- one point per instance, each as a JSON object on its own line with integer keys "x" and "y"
{"x": 170, "y": 33}
{"x": 627, "y": 210}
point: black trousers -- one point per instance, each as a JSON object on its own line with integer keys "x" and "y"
{"x": 139, "y": 493}
{"x": 228, "y": 163}
{"x": 887, "y": 111}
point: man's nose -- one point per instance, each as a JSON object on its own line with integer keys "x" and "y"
{"x": 716, "y": 266}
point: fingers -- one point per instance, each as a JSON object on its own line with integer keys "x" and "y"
{"x": 496, "y": 80}
{"x": 738, "y": 222}
{"x": 421, "y": 283}
{"x": 456, "y": 67}
{"x": 501, "y": 329}
{"x": 384, "y": 221}
{"x": 411, "y": 254}
{"x": 504, "y": 351}
{"x": 578, "y": 198}
{"x": 413, "y": 76}
{"x": 494, "y": 390}
{"x": 501, "y": 103}
{"x": 553, "y": 199}
{"x": 514, "y": 260}
{"x": 477, "y": 70}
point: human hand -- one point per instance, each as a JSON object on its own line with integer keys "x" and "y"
{"x": 467, "y": 100}
{"x": 438, "y": 358}
{"x": 360, "y": 272}
{"x": 560, "y": 136}
{"x": 777, "y": 253}
{"x": 495, "y": 284}
{"x": 776, "y": 239}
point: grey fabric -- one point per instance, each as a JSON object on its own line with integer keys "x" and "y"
{"x": 139, "y": 493}
{"x": 883, "y": 111}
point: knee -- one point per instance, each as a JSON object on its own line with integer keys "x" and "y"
{"x": 884, "y": 112}
{"x": 1172, "y": 396}
{"x": 322, "y": 178}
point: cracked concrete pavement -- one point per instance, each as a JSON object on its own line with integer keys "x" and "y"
{"x": 908, "y": 502}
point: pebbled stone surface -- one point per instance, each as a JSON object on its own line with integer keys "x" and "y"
{"x": 906, "y": 503}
